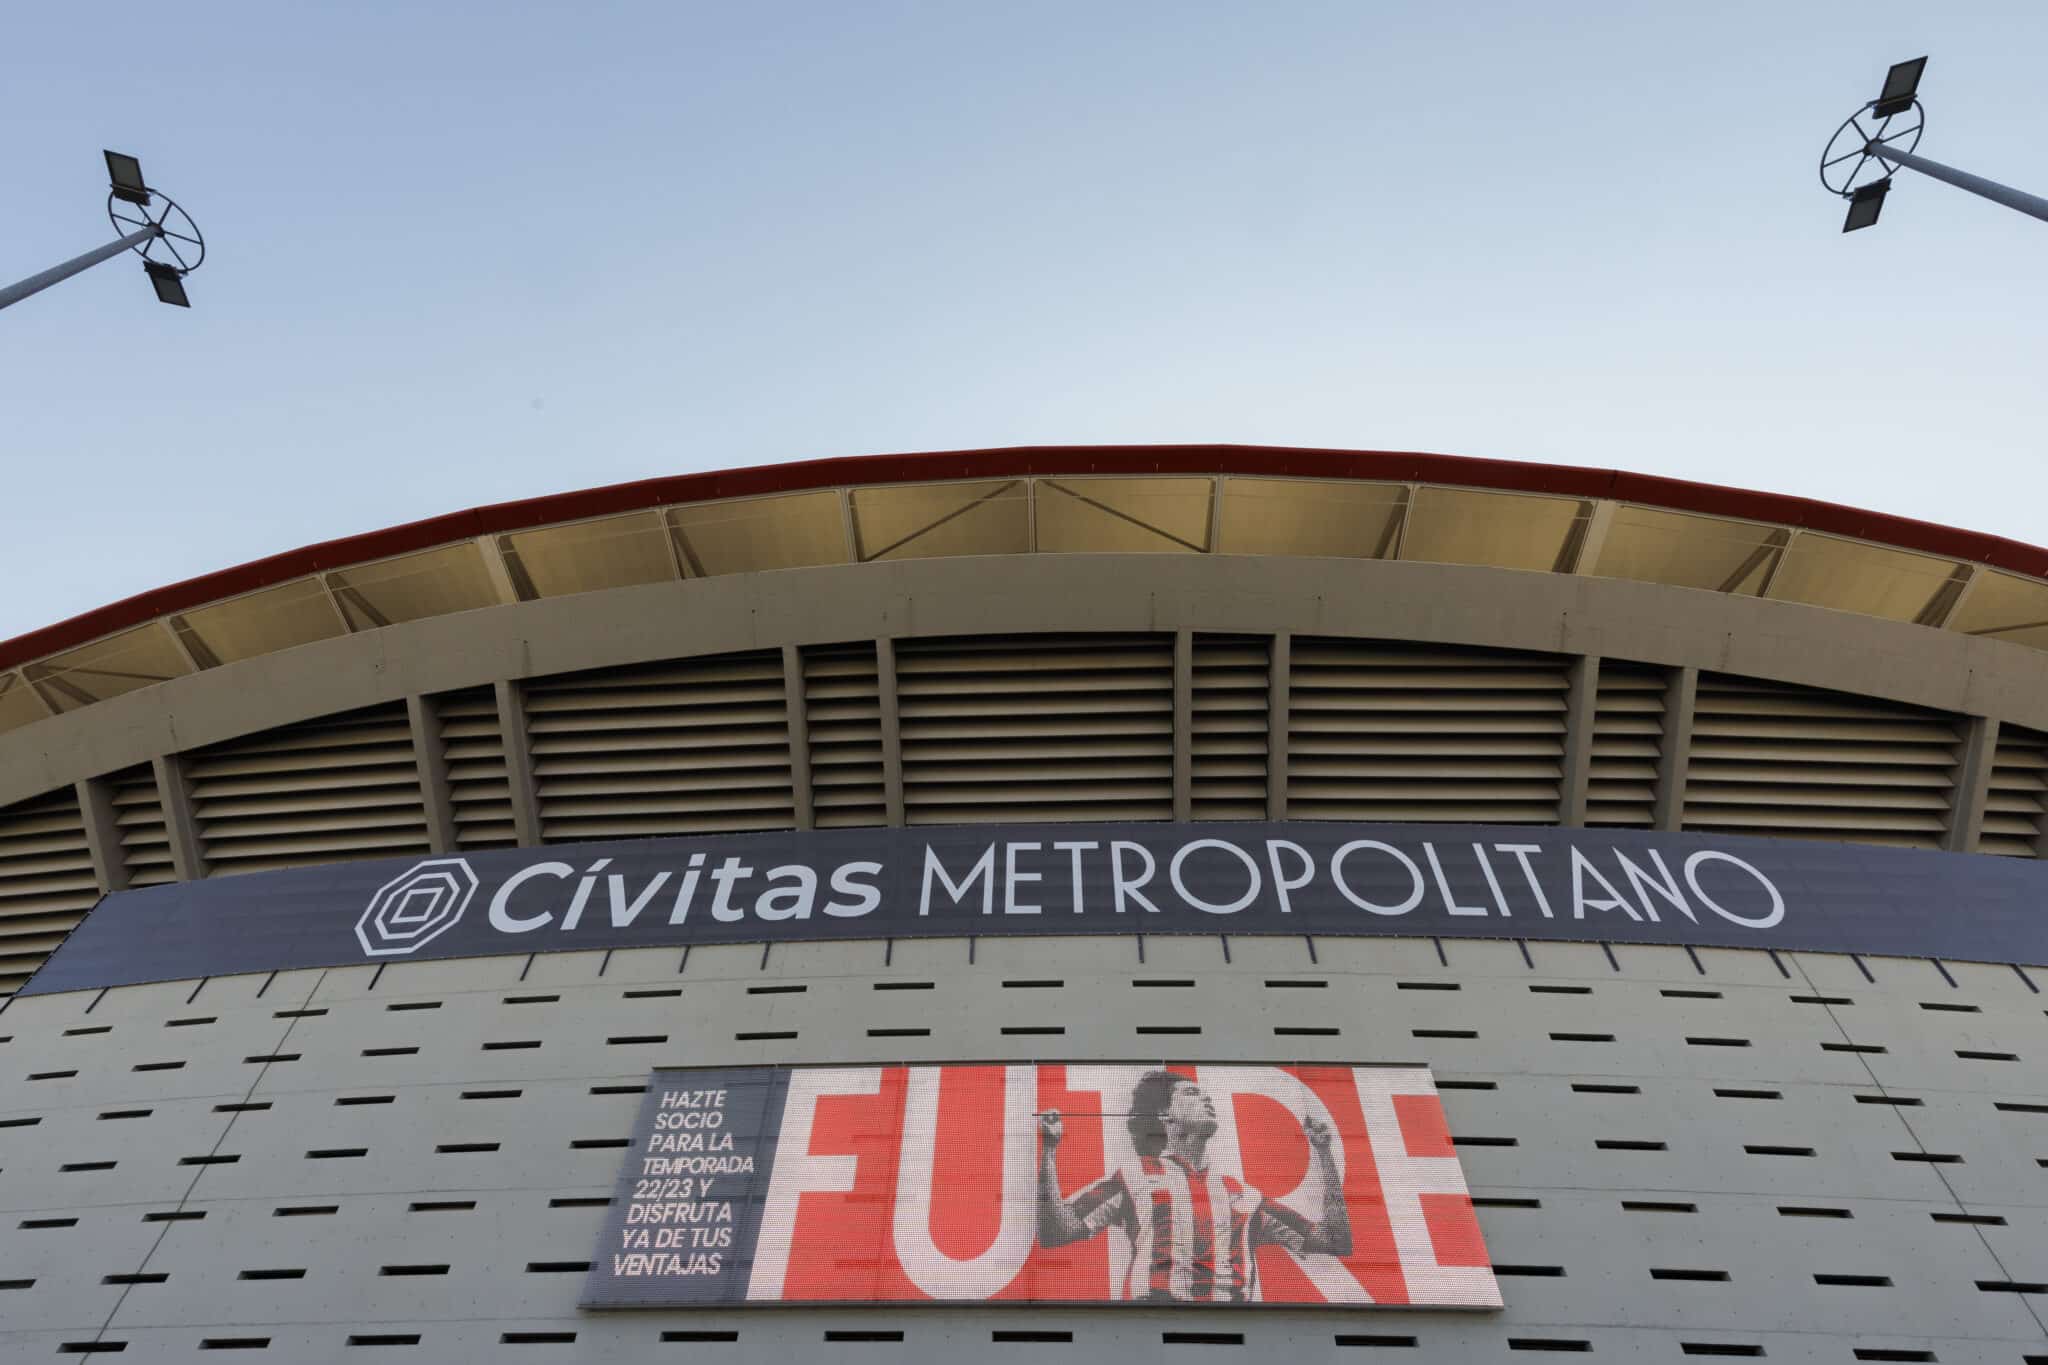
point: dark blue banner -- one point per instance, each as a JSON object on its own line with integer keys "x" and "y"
{"x": 1466, "y": 881}
{"x": 686, "y": 1214}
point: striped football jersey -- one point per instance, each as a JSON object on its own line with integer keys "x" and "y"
{"x": 1193, "y": 1233}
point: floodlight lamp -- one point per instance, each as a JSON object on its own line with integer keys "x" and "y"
{"x": 126, "y": 174}
{"x": 1865, "y": 204}
{"x": 169, "y": 282}
{"x": 1901, "y": 84}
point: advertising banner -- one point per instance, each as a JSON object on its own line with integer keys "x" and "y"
{"x": 1449, "y": 881}
{"x": 1042, "y": 1183}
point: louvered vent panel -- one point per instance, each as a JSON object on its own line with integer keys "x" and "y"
{"x": 139, "y": 819}
{"x": 1628, "y": 734}
{"x": 1036, "y": 727}
{"x": 1801, "y": 763}
{"x": 843, "y": 710}
{"x": 479, "y": 792}
{"x": 2018, "y": 794}
{"x": 46, "y": 881}
{"x": 1233, "y": 676}
{"x": 323, "y": 791}
{"x": 1380, "y": 730}
{"x": 677, "y": 748}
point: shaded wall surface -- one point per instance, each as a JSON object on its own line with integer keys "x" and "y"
{"x": 1672, "y": 1152}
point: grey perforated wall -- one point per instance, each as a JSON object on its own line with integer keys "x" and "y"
{"x": 1675, "y": 1153}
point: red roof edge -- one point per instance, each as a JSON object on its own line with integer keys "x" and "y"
{"x": 1018, "y": 462}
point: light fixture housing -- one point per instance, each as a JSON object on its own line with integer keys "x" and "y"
{"x": 1865, "y": 204}
{"x": 1901, "y": 84}
{"x": 169, "y": 283}
{"x": 125, "y": 174}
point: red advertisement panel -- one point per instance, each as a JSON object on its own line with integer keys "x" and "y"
{"x": 1105, "y": 1183}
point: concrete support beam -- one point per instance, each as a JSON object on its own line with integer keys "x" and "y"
{"x": 1183, "y": 725}
{"x": 1975, "y": 757}
{"x": 1590, "y": 538}
{"x": 1278, "y": 687}
{"x": 1582, "y": 691}
{"x": 1674, "y": 755}
{"x": 798, "y": 715}
{"x": 50, "y": 708}
{"x": 1446, "y": 604}
{"x": 186, "y": 641}
{"x": 102, "y": 834}
{"x": 497, "y": 571}
{"x": 892, "y": 733}
{"x": 1948, "y": 599}
{"x": 430, "y": 757}
{"x": 174, "y": 794}
{"x": 518, "y": 763}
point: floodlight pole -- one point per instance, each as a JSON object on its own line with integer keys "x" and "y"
{"x": 36, "y": 284}
{"x": 2031, "y": 205}
{"x": 150, "y": 222}
{"x": 1879, "y": 149}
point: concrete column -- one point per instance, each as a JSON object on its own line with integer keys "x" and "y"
{"x": 799, "y": 736}
{"x": 1674, "y": 755}
{"x": 1975, "y": 757}
{"x": 1184, "y": 725}
{"x": 518, "y": 762}
{"x": 102, "y": 834}
{"x": 430, "y": 757}
{"x": 1582, "y": 692}
{"x": 188, "y": 859}
{"x": 1277, "y": 688}
{"x": 892, "y": 733}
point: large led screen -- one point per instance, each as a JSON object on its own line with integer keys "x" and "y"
{"x": 1047, "y": 1183}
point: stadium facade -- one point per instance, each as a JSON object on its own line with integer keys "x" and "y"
{"x": 1581, "y": 913}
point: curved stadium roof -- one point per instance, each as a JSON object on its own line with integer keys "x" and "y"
{"x": 1045, "y": 500}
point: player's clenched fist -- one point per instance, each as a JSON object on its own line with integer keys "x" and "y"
{"x": 1050, "y": 1129}
{"x": 1319, "y": 1134}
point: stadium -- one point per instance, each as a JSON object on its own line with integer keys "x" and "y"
{"x": 1165, "y": 903}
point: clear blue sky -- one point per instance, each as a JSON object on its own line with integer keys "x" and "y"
{"x": 466, "y": 252}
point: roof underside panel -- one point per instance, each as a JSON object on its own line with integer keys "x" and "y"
{"x": 1051, "y": 500}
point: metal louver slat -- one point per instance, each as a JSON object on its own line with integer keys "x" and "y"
{"x": 1231, "y": 709}
{"x": 1883, "y": 736}
{"x": 1905, "y": 783}
{"x": 336, "y": 788}
{"x": 46, "y": 881}
{"x": 1796, "y": 762}
{"x": 648, "y": 713}
{"x": 139, "y": 820}
{"x": 340, "y": 749}
{"x": 1424, "y": 741}
{"x": 843, "y": 712}
{"x": 479, "y": 788}
{"x": 341, "y": 819}
{"x": 341, "y": 789}
{"x": 658, "y": 781}
{"x": 1383, "y": 731}
{"x": 1032, "y": 725}
{"x": 2017, "y": 796}
{"x": 1628, "y": 737}
{"x": 1045, "y": 727}
{"x": 642, "y": 748}
{"x": 698, "y": 746}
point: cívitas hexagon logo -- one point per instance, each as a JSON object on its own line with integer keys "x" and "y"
{"x": 416, "y": 907}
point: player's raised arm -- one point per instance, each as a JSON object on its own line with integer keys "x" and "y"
{"x": 1058, "y": 1222}
{"x": 1332, "y": 1235}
